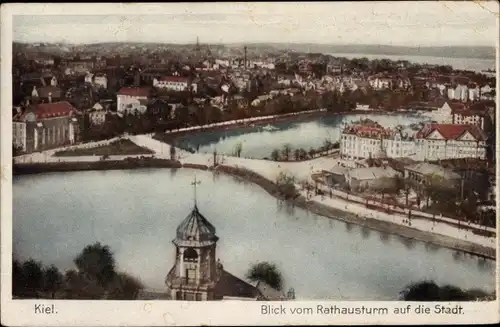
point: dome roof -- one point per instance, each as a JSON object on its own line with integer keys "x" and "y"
{"x": 196, "y": 228}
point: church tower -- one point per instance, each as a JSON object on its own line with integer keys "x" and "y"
{"x": 195, "y": 272}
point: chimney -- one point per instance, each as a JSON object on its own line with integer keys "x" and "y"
{"x": 50, "y": 97}
{"x": 245, "y": 63}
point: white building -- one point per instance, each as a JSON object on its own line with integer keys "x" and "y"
{"x": 380, "y": 83}
{"x": 132, "y": 100}
{"x": 474, "y": 94}
{"x": 467, "y": 117}
{"x": 174, "y": 83}
{"x": 89, "y": 78}
{"x": 19, "y": 134}
{"x": 97, "y": 115}
{"x": 460, "y": 92}
{"x": 361, "y": 141}
{"x": 101, "y": 80}
{"x": 448, "y": 141}
{"x": 443, "y": 115}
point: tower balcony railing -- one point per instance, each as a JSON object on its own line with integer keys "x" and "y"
{"x": 173, "y": 280}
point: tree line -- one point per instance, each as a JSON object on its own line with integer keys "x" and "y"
{"x": 95, "y": 277}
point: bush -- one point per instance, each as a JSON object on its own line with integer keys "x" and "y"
{"x": 429, "y": 291}
{"x": 266, "y": 272}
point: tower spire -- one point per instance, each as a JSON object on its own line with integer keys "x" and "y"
{"x": 194, "y": 188}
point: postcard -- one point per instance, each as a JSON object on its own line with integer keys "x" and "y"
{"x": 324, "y": 163}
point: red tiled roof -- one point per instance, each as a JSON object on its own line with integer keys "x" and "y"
{"x": 50, "y": 110}
{"x": 452, "y": 131}
{"x": 367, "y": 131}
{"x": 177, "y": 79}
{"x": 135, "y": 91}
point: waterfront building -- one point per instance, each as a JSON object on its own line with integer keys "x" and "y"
{"x": 362, "y": 141}
{"x": 449, "y": 141}
{"x": 45, "y": 126}
{"x": 197, "y": 275}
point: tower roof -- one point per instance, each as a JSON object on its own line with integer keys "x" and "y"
{"x": 195, "y": 228}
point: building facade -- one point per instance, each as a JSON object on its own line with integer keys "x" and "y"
{"x": 45, "y": 126}
{"x": 360, "y": 142}
{"x": 467, "y": 117}
{"x": 132, "y": 100}
{"x": 175, "y": 83}
{"x": 449, "y": 141}
{"x": 97, "y": 115}
{"x": 432, "y": 142}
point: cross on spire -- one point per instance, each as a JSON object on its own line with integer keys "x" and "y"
{"x": 194, "y": 188}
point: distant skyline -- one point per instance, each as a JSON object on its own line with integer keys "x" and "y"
{"x": 388, "y": 23}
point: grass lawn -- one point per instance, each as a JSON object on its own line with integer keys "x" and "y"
{"x": 119, "y": 147}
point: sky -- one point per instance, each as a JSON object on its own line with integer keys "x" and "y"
{"x": 390, "y": 23}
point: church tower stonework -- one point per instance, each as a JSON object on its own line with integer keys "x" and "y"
{"x": 197, "y": 275}
{"x": 194, "y": 275}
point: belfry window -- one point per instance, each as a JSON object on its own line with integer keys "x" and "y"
{"x": 190, "y": 255}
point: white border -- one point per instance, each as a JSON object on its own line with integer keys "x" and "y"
{"x": 156, "y": 313}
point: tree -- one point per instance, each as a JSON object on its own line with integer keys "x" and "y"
{"x": 312, "y": 152}
{"x": 53, "y": 280}
{"x": 16, "y": 150}
{"x": 286, "y": 185}
{"x": 124, "y": 287}
{"x": 96, "y": 262}
{"x": 404, "y": 185}
{"x": 275, "y": 155}
{"x": 286, "y": 151}
{"x": 297, "y": 154}
{"x": 33, "y": 276}
{"x": 266, "y": 272}
{"x": 430, "y": 291}
{"x": 327, "y": 144}
{"x": 238, "y": 148}
{"x": 18, "y": 282}
{"x": 172, "y": 152}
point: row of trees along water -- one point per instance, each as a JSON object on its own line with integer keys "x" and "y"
{"x": 160, "y": 116}
{"x": 287, "y": 153}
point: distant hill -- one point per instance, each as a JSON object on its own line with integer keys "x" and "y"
{"x": 479, "y": 52}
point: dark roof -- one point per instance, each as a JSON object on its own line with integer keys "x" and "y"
{"x": 229, "y": 285}
{"x": 196, "y": 228}
{"x": 54, "y": 91}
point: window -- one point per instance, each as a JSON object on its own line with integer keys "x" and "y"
{"x": 198, "y": 296}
